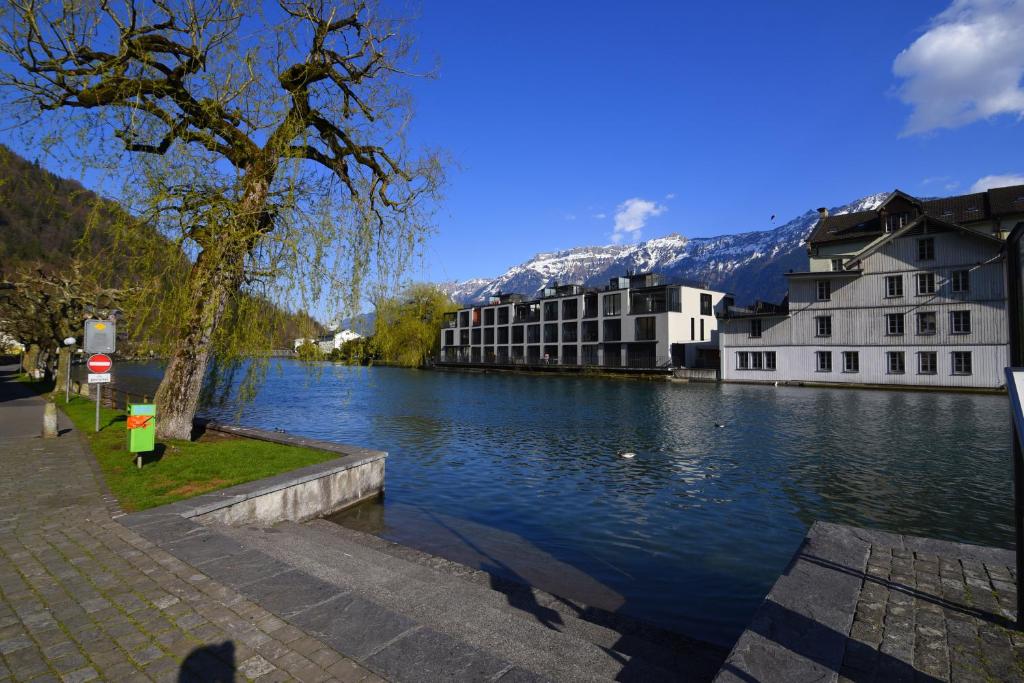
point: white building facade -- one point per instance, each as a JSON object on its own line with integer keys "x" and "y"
{"x": 636, "y": 322}
{"x": 329, "y": 342}
{"x": 910, "y": 294}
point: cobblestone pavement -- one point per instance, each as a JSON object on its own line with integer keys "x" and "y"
{"x": 83, "y": 598}
{"x": 923, "y": 616}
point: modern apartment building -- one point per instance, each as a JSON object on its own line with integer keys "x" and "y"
{"x": 910, "y": 293}
{"x": 637, "y": 322}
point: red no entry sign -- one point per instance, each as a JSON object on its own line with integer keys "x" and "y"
{"x": 99, "y": 363}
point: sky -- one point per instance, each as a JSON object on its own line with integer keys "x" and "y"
{"x": 590, "y": 123}
{"x": 580, "y": 123}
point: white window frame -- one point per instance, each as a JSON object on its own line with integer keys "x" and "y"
{"x": 822, "y": 322}
{"x": 819, "y": 356}
{"x": 890, "y": 356}
{"x": 742, "y": 360}
{"x": 960, "y": 281}
{"x": 926, "y": 244}
{"x": 965, "y": 329}
{"x": 769, "y": 360}
{"x": 847, "y": 355}
{"x": 760, "y": 327}
{"x": 889, "y": 318}
{"x": 893, "y": 280}
{"x": 925, "y": 277}
{"x": 935, "y": 322}
{"x": 921, "y": 355}
{"x": 962, "y": 355}
{"x": 827, "y": 285}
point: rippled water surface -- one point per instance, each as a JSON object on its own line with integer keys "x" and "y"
{"x": 520, "y": 474}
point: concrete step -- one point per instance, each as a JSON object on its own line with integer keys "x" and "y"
{"x": 537, "y": 632}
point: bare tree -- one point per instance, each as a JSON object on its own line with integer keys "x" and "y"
{"x": 268, "y": 144}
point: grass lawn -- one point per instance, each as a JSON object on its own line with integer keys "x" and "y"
{"x": 178, "y": 469}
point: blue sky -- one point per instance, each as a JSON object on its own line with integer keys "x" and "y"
{"x": 716, "y": 114}
{"x": 575, "y": 123}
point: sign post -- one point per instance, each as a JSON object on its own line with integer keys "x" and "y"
{"x": 99, "y": 365}
{"x": 1014, "y": 386}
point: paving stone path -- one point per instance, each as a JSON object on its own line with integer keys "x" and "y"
{"x": 858, "y": 605}
{"x": 84, "y": 598}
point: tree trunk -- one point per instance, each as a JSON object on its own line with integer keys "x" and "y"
{"x": 28, "y": 360}
{"x": 63, "y": 370}
{"x": 177, "y": 397}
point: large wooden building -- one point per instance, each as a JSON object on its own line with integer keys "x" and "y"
{"x": 910, "y": 293}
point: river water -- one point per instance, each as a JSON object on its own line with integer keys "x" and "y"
{"x": 521, "y": 475}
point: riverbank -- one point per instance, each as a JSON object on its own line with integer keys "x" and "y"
{"x": 176, "y": 470}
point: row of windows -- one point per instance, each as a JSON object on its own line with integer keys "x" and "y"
{"x": 642, "y": 302}
{"x": 927, "y": 361}
{"x": 895, "y": 362}
{"x": 959, "y": 282}
{"x": 644, "y": 329}
{"x": 926, "y": 323}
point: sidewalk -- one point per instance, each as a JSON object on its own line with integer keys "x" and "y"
{"x": 83, "y": 598}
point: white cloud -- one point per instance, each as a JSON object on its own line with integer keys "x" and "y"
{"x": 990, "y": 181}
{"x": 600, "y": 216}
{"x": 631, "y": 216}
{"x": 569, "y": 216}
{"x": 670, "y": 196}
{"x": 966, "y": 67}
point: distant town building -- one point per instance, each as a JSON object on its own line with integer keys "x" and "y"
{"x": 910, "y": 293}
{"x": 637, "y": 322}
{"x": 329, "y": 341}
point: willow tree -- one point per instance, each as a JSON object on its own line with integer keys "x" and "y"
{"x": 407, "y": 328}
{"x": 265, "y": 141}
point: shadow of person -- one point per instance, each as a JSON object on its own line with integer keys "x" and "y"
{"x": 209, "y": 664}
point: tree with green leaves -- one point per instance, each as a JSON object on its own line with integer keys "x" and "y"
{"x": 265, "y": 142}
{"x": 407, "y": 329}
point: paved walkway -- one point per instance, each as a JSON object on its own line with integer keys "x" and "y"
{"x": 864, "y": 605}
{"x": 83, "y": 598}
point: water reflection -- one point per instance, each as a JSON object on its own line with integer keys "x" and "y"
{"x": 693, "y": 530}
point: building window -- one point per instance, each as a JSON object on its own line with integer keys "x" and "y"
{"x": 693, "y": 334}
{"x": 488, "y": 316}
{"x": 824, "y": 361}
{"x": 755, "y": 327}
{"x": 823, "y": 326}
{"x": 742, "y": 360}
{"x": 533, "y": 334}
{"x": 894, "y": 324}
{"x": 926, "y": 249}
{"x": 926, "y": 322}
{"x": 463, "y": 318}
{"x": 702, "y": 329}
{"x": 588, "y": 330}
{"x": 463, "y": 337}
{"x": 476, "y": 337}
{"x": 769, "y": 360}
{"x": 961, "y": 281}
{"x": 705, "y": 304}
{"x": 551, "y": 333}
{"x": 449, "y": 337}
{"x": 503, "y": 335}
{"x": 893, "y": 286}
{"x": 961, "y": 362}
{"x": 837, "y": 264}
{"x": 824, "y": 290}
{"x": 895, "y": 362}
{"x": 612, "y": 330}
{"x": 590, "y": 307}
{"x": 517, "y": 334}
{"x": 851, "y": 361}
{"x": 489, "y": 336}
{"x": 960, "y": 322}
{"x": 503, "y": 315}
{"x": 927, "y": 363}
{"x": 925, "y": 283}
{"x": 612, "y": 304}
{"x": 570, "y": 308}
{"x": 756, "y": 361}
{"x": 645, "y": 329}
{"x": 896, "y": 221}
{"x": 569, "y": 332}
{"x": 551, "y": 310}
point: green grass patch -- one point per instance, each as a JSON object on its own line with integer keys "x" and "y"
{"x": 179, "y": 469}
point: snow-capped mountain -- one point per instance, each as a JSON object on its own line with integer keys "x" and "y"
{"x": 748, "y": 264}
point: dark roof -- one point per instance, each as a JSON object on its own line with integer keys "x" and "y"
{"x": 961, "y": 209}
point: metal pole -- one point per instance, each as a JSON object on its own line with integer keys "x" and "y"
{"x": 99, "y": 388}
{"x": 67, "y": 380}
{"x": 1015, "y": 321}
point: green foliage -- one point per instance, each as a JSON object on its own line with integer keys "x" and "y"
{"x": 407, "y": 330}
{"x": 184, "y": 469}
{"x": 309, "y": 350}
{"x": 354, "y": 352}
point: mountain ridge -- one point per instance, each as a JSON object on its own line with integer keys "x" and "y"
{"x": 748, "y": 264}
